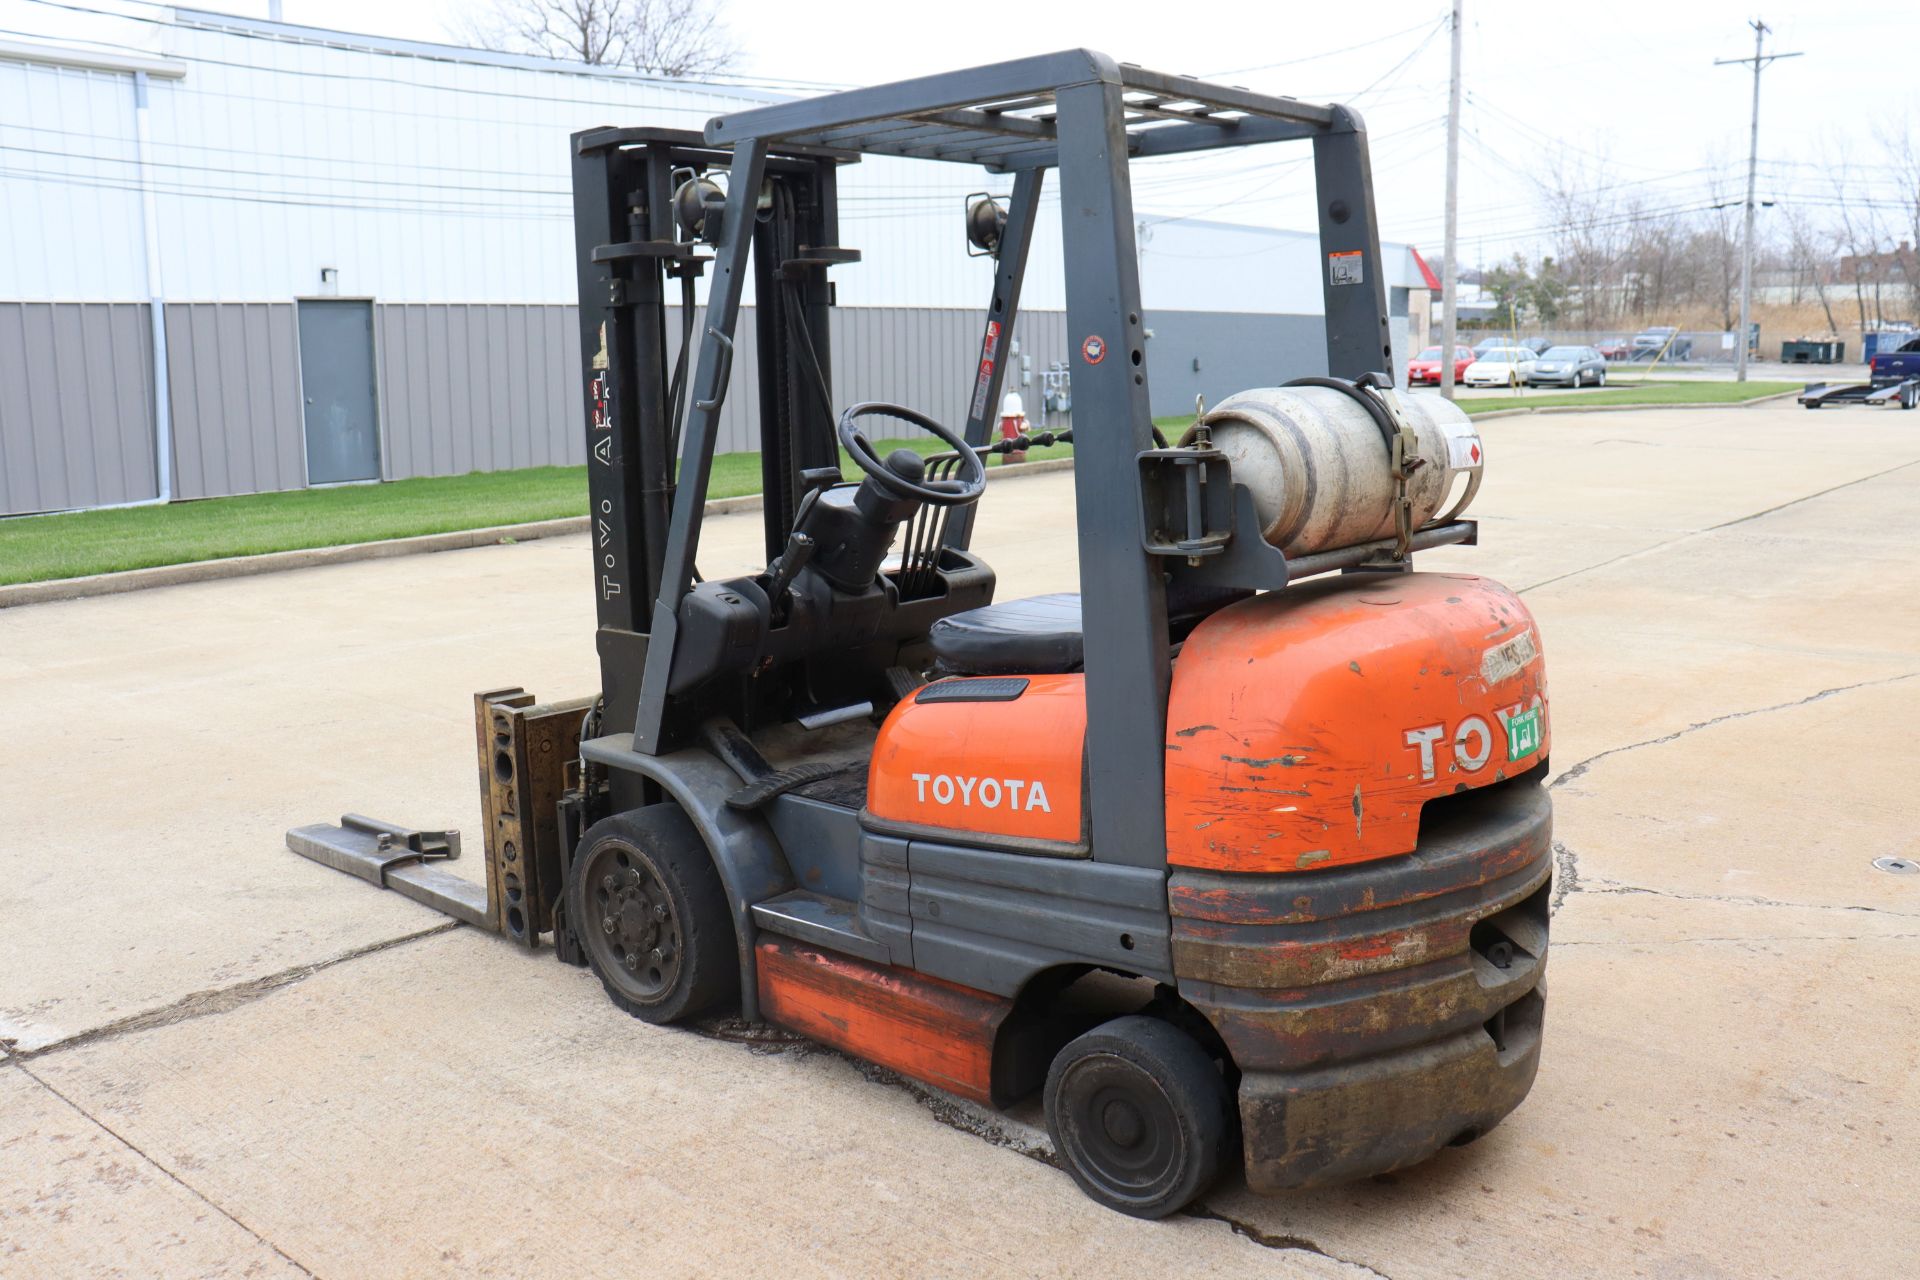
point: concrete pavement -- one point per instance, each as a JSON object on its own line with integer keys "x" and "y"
{"x": 227, "y": 1061}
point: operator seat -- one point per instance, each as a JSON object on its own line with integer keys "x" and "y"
{"x": 1036, "y": 636}
{"x": 1041, "y": 635}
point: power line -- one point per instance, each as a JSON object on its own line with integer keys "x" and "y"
{"x": 1285, "y": 168}
{"x": 1330, "y": 53}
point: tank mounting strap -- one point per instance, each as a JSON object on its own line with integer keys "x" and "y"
{"x": 1406, "y": 460}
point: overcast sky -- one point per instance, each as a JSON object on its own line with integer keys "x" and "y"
{"x": 1628, "y": 88}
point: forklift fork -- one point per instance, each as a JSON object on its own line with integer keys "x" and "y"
{"x": 528, "y": 755}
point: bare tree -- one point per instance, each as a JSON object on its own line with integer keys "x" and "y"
{"x": 1808, "y": 253}
{"x": 664, "y": 37}
{"x": 1590, "y": 236}
{"x": 1903, "y": 151}
{"x": 1857, "y": 230}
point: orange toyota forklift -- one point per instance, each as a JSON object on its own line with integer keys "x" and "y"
{"x": 1242, "y": 850}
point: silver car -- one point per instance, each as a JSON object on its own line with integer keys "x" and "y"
{"x": 1569, "y": 367}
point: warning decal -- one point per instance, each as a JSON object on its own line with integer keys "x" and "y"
{"x": 1464, "y": 451}
{"x": 1346, "y": 267}
{"x": 988, "y": 350}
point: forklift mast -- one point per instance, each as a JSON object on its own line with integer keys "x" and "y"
{"x": 632, "y": 247}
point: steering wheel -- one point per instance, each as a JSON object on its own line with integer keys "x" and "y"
{"x": 960, "y": 491}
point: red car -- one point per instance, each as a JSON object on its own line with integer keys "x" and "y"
{"x": 1425, "y": 367}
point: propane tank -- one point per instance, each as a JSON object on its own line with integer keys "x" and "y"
{"x": 1320, "y": 469}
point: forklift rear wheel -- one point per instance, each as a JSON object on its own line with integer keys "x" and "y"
{"x": 652, "y": 916}
{"x": 1140, "y": 1116}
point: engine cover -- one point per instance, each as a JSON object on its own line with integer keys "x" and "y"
{"x": 1306, "y": 728}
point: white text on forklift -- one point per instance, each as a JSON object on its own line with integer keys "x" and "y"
{"x": 989, "y": 792}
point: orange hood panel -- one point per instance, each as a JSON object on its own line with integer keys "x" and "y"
{"x": 988, "y": 768}
{"x": 1307, "y": 727}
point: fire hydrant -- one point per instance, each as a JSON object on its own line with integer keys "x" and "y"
{"x": 1013, "y": 425}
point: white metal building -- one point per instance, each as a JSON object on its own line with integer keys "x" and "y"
{"x": 195, "y": 203}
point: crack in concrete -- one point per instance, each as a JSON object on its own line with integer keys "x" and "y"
{"x": 1566, "y": 862}
{"x": 1269, "y": 1240}
{"x": 218, "y": 1000}
{"x": 170, "y": 1175}
{"x": 1566, "y": 875}
{"x": 1599, "y": 886}
{"x": 1712, "y": 528}
{"x": 993, "y": 1127}
{"x": 1579, "y": 770}
{"x": 1737, "y": 942}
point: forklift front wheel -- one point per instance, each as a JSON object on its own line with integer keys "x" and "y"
{"x": 1140, "y": 1116}
{"x": 652, "y": 916}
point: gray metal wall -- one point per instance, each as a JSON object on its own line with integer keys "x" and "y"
{"x": 1216, "y": 353}
{"x": 76, "y": 405}
{"x": 921, "y": 357}
{"x": 461, "y": 388}
{"x": 926, "y": 358}
{"x": 478, "y": 388}
{"x": 488, "y": 388}
{"x": 233, "y": 380}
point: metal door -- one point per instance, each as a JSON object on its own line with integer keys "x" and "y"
{"x": 336, "y": 379}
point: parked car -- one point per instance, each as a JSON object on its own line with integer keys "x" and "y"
{"x": 1616, "y": 349}
{"x": 1648, "y": 343}
{"x": 1501, "y": 367}
{"x": 1536, "y": 345}
{"x": 1485, "y": 345}
{"x": 1569, "y": 367}
{"x": 1425, "y": 368}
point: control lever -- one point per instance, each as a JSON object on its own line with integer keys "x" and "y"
{"x": 800, "y": 549}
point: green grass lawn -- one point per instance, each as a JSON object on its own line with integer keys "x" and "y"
{"x": 1650, "y": 393}
{"x": 78, "y": 543}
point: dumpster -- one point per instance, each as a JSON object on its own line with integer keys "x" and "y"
{"x": 1813, "y": 352}
{"x": 1883, "y": 341}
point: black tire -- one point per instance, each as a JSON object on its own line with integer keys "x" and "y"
{"x": 1140, "y": 1116}
{"x": 652, "y": 917}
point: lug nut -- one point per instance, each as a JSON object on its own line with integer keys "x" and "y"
{"x": 607, "y": 924}
{"x": 659, "y": 911}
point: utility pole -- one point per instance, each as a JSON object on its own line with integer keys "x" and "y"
{"x": 1449, "y": 283}
{"x": 1759, "y": 60}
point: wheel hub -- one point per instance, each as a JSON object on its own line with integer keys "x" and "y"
{"x": 1128, "y": 1138}
{"x": 1123, "y": 1123}
{"x": 631, "y": 930}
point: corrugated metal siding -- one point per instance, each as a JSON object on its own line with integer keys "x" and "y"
{"x": 76, "y": 405}
{"x": 233, "y": 372}
{"x": 69, "y": 203}
{"x": 479, "y": 388}
{"x": 461, "y": 388}
{"x": 925, "y": 358}
{"x": 490, "y": 388}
